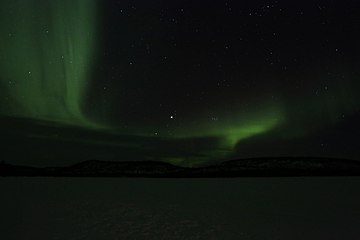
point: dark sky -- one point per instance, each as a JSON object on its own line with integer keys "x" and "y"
{"x": 188, "y": 82}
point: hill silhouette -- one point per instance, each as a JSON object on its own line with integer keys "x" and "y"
{"x": 258, "y": 167}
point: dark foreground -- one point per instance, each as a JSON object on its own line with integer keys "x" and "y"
{"x": 298, "y": 208}
{"x": 267, "y": 167}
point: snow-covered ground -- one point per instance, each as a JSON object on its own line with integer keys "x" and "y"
{"x": 243, "y": 208}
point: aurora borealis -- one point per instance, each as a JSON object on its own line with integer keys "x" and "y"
{"x": 179, "y": 81}
{"x": 49, "y": 50}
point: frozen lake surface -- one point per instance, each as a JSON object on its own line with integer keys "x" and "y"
{"x": 242, "y": 208}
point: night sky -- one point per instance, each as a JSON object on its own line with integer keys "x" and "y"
{"x": 186, "y": 82}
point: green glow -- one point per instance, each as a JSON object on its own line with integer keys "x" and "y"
{"x": 234, "y": 127}
{"x": 47, "y": 49}
{"x": 234, "y": 134}
{"x": 231, "y": 129}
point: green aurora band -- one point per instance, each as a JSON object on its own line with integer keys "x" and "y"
{"x": 236, "y": 127}
{"x": 48, "y": 46}
{"x": 231, "y": 129}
